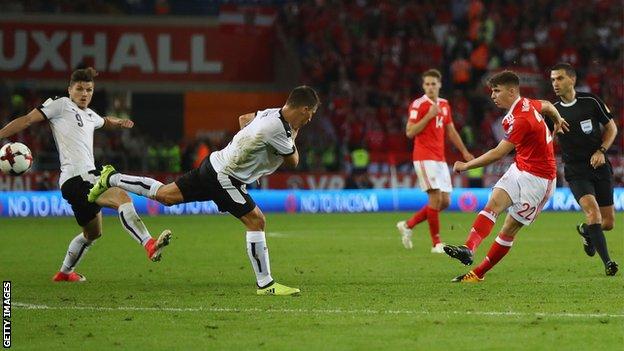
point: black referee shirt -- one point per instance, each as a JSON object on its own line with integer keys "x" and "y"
{"x": 584, "y": 114}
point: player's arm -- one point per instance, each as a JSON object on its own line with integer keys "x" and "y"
{"x": 292, "y": 160}
{"x": 21, "y": 123}
{"x": 454, "y": 137}
{"x": 608, "y": 136}
{"x": 414, "y": 128}
{"x": 560, "y": 124}
{"x": 493, "y": 155}
{"x": 111, "y": 123}
{"x": 246, "y": 119}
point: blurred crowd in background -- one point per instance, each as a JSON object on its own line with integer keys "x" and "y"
{"x": 365, "y": 58}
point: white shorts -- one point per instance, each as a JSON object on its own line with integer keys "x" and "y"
{"x": 528, "y": 193}
{"x": 433, "y": 175}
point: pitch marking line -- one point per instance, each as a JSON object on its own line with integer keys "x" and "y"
{"x": 28, "y": 306}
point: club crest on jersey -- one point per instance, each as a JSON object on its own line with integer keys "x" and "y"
{"x": 586, "y": 126}
{"x": 508, "y": 122}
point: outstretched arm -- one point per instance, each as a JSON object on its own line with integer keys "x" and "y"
{"x": 548, "y": 109}
{"x": 21, "y": 123}
{"x": 493, "y": 155}
{"x": 117, "y": 123}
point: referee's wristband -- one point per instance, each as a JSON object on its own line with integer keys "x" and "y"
{"x": 603, "y": 150}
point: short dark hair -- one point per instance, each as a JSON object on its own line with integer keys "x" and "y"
{"x": 83, "y": 75}
{"x": 303, "y": 96}
{"x": 504, "y": 78}
{"x": 569, "y": 70}
{"x": 432, "y": 73}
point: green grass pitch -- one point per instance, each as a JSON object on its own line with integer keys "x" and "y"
{"x": 361, "y": 290}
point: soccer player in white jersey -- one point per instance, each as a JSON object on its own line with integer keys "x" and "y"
{"x": 73, "y": 124}
{"x": 265, "y": 141}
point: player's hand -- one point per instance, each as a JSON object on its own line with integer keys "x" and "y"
{"x": 459, "y": 166}
{"x": 597, "y": 159}
{"x": 434, "y": 110}
{"x": 126, "y": 123}
{"x": 561, "y": 126}
{"x": 468, "y": 156}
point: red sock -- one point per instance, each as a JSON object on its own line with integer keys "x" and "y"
{"x": 417, "y": 217}
{"x": 433, "y": 217}
{"x": 498, "y": 250}
{"x": 481, "y": 228}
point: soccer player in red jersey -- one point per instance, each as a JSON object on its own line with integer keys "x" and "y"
{"x": 429, "y": 121}
{"x": 528, "y": 183}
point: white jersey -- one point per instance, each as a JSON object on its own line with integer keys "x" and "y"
{"x": 256, "y": 150}
{"x": 72, "y": 128}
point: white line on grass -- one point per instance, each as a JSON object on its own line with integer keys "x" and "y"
{"x": 28, "y": 306}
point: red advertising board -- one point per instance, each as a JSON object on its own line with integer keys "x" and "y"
{"x": 137, "y": 51}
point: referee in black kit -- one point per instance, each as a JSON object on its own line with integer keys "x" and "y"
{"x": 587, "y": 168}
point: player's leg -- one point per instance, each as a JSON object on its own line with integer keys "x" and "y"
{"x": 500, "y": 247}
{"x": 481, "y": 227}
{"x": 594, "y": 231}
{"x": 405, "y": 226}
{"x": 580, "y": 188}
{"x": 258, "y": 253}
{"x": 608, "y": 217}
{"x": 109, "y": 177}
{"x": 439, "y": 200}
{"x": 433, "y": 218}
{"x": 78, "y": 247}
{"x": 119, "y": 200}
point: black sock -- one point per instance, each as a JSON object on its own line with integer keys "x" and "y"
{"x": 594, "y": 231}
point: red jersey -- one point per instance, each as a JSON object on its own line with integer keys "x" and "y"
{"x": 525, "y": 127}
{"x": 429, "y": 143}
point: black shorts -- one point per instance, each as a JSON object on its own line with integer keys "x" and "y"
{"x": 75, "y": 191}
{"x": 585, "y": 180}
{"x": 204, "y": 183}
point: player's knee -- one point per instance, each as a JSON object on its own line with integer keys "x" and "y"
{"x": 165, "y": 200}
{"x": 444, "y": 205}
{"x": 258, "y": 221}
{"x": 593, "y": 216}
{"x": 91, "y": 235}
{"x": 607, "y": 224}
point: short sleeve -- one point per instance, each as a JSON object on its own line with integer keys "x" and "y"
{"x": 51, "y": 108}
{"x": 537, "y": 105}
{"x": 448, "y": 118}
{"x": 280, "y": 138}
{"x": 514, "y": 129}
{"x": 602, "y": 111}
{"x": 412, "y": 114}
{"x": 97, "y": 120}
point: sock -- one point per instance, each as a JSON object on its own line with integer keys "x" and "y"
{"x": 76, "y": 250}
{"x": 498, "y": 250}
{"x": 143, "y": 186}
{"x": 595, "y": 233}
{"x": 418, "y": 217}
{"x": 259, "y": 257}
{"x": 133, "y": 224}
{"x": 433, "y": 218}
{"x": 481, "y": 228}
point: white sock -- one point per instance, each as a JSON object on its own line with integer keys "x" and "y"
{"x": 133, "y": 224}
{"x": 259, "y": 257}
{"x": 143, "y": 186}
{"x": 76, "y": 250}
